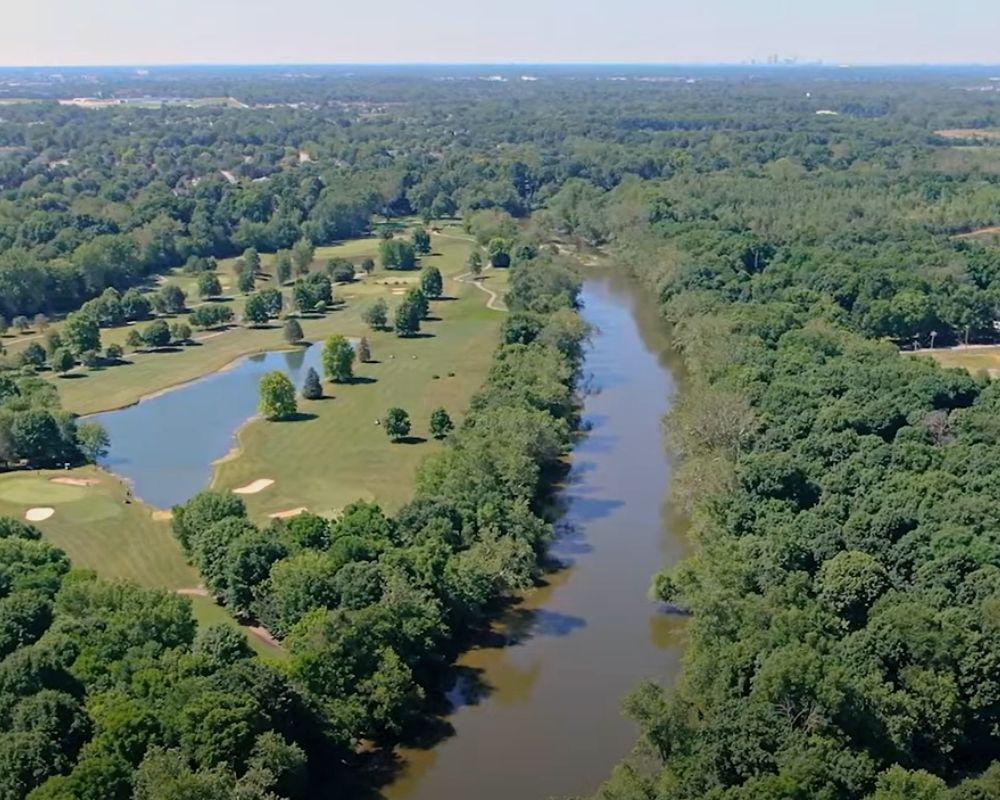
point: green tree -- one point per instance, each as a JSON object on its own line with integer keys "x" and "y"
{"x": 246, "y": 280}
{"x": 338, "y": 359}
{"x": 421, "y": 241}
{"x": 407, "y": 318}
{"x": 277, "y": 396}
{"x": 292, "y": 331}
{"x": 475, "y": 263}
{"x": 273, "y": 300}
{"x": 134, "y": 340}
{"x": 364, "y": 350}
{"x": 376, "y": 315}
{"x": 93, "y": 440}
{"x": 441, "y": 424}
{"x": 255, "y": 310}
{"x": 41, "y": 322}
{"x": 172, "y": 299}
{"x": 81, "y": 333}
{"x": 34, "y": 354}
{"x": 368, "y": 265}
{"x": 209, "y": 285}
{"x": 180, "y": 332}
{"x": 499, "y": 249}
{"x": 252, "y": 259}
{"x": 312, "y": 389}
{"x": 21, "y": 323}
{"x": 283, "y": 266}
{"x": 396, "y": 423}
{"x": 303, "y": 253}
{"x": 114, "y": 352}
{"x": 63, "y": 361}
{"x": 156, "y": 334}
{"x": 431, "y": 283}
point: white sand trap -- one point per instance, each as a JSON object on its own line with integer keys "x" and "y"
{"x": 258, "y": 485}
{"x": 75, "y": 481}
{"x": 292, "y": 512}
{"x": 399, "y": 291}
{"x": 38, "y": 514}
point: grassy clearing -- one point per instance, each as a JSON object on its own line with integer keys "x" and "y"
{"x": 340, "y": 454}
{"x": 97, "y": 528}
{"x": 974, "y": 358}
{"x": 207, "y": 612}
{"x": 980, "y": 134}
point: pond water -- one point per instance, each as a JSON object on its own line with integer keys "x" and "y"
{"x": 166, "y": 444}
{"x": 539, "y": 715}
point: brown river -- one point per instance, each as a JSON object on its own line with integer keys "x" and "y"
{"x": 539, "y": 715}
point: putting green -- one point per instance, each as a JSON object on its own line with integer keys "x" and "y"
{"x": 35, "y": 491}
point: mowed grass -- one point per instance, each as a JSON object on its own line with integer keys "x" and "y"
{"x": 119, "y": 540}
{"x": 207, "y": 613}
{"x": 975, "y": 358}
{"x": 97, "y": 528}
{"x": 338, "y": 454}
{"x": 90, "y": 391}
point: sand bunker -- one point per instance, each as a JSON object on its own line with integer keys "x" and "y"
{"x": 292, "y": 512}
{"x": 399, "y": 291}
{"x": 75, "y": 481}
{"x": 258, "y": 485}
{"x": 38, "y": 514}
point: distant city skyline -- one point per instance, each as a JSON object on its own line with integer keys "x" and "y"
{"x": 141, "y": 32}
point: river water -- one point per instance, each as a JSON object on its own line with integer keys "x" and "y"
{"x": 540, "y": 716}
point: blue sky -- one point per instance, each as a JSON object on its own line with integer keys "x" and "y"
{"x": 35, "y": 32}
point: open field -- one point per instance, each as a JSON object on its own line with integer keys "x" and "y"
{"x": 340, "y": 455}
{"x": 974, "y": 358}
{"x": 90, "y": 391}
{"x": 982, "y": 134}
{"x": 97, "y": 528}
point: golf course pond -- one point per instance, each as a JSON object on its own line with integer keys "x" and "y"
{"x": 166, "y": 444}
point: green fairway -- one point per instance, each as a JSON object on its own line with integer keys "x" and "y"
{"x": 97, "y": 527}
{"x": 338, "y": 454}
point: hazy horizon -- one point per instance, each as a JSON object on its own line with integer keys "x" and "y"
{"x": 48, "y": 33}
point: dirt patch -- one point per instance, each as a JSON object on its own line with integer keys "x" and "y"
{"x": 197, "y": 591}
{"x": 258, "y": 485}
{"x": 264, "y": 635}
{"x": 38, "y": 514}
{"x": 162, "y": 516}
{"x": 992, "y": 230}
{"x": 76, "y": 481}
{"x": 291, "y": 512}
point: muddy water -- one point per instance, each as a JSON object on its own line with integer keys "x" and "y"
{"x": 539, "y": 715}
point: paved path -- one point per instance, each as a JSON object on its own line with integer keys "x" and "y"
{"x": 494, "y": 303}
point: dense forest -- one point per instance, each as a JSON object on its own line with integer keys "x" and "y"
{"x": 798, "y": 227}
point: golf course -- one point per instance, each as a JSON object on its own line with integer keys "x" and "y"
{"x": 333, "y": 454}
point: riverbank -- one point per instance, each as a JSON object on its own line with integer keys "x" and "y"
{"x": 536, "y": 713}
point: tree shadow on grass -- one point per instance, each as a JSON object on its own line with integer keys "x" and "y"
{"x": 299, "y": 416}
{"x": 410, "y": 440}
{"x": 363, "y": 379}
{"x": 72, "y": 376}
{"x": 432, "y": 319}
{"x": 420, "y": 335}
